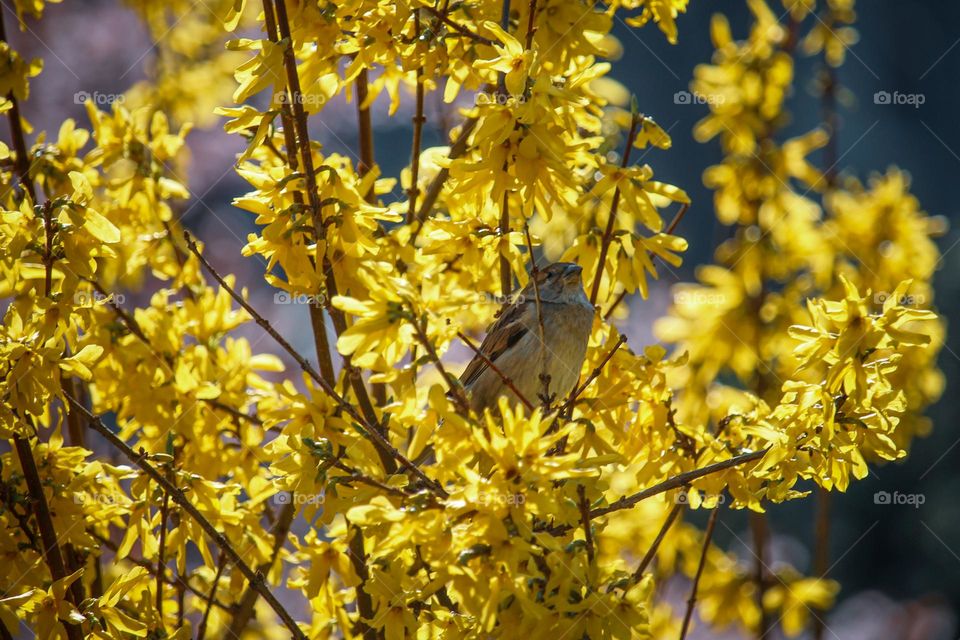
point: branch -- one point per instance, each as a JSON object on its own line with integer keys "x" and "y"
{"x": 317, "y": 322}
{"x": 255, "y": 579}
{"x": 456, "y": 389}
{"x": 672, "y": 482}
{"x": 436, "y": 185}
{"x": 418, "y": 119}
{"x": 653, "y": 257}
{"x": 202, "y": 627}
{"x": 249, "y": 599}
{"x": 652, "y": 551}
{"x": 585, "y": 521}
{"x": 459, "y": 28}
{"x": 696, "y": 580}
{"x": 593, "y": 375}
{"x": 507, "y": 381}
{"x": 383, "y": 445}
{"x": 614, "y": 205}
{"x": 48, "y": 535}
{"x": 534, "y": 278}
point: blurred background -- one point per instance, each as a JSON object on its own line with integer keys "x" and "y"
{"x": 898, "y": 565}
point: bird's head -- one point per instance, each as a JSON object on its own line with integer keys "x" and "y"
{"x": 559, "y": 282}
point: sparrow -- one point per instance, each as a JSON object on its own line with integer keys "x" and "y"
{"x": 540, "y": 370}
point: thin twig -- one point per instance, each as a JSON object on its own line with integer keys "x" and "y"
{"x": 585, "y": 521}
{"x": 614, "y": 205}
{"x": 418, "y": 119}
{"x": 317, "y": 322}
{"x": 202, "y": 627}
{"x": 255, "y": 579}
{"x": 459, "y": 28}
{"x": 673, "y": 482}
{"x": 152, "y": 570}
{"x": 313, "y": 194}
{"x": 692, "y": 600}
{"x": 652, "y": 551}
{"x": 456, "y": 389}
{"x": 379, "y": 441}
{"x": 507, "y": 381}
{"x": 593, "y": 374}
{"x": 458, "y": 148}
{"x": 279, "y": 531}
{"x": 535, "y": 279}
{"x": 48, "y": 535}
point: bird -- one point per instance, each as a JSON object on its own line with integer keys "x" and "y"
{"x": 540, "y": 371}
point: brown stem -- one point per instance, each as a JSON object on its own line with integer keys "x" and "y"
{"x": 41, "y": 511}
{"x": 585, "y": 521}
{"x": 279, "y": 531}
{"x": 202, "y": 627}
{"x": 653, "y": 257}
{"x": 161, "y": 565}
{"x": 593, "y": 374}
{"x": 507, "y": 381}
{"x": 365, "y": 128}
{"x": 614, "y": 205}
{"x": 672, "y": 482}
{"x": 506, "y": 275}
{"x": 317, "y": 321}
{"x": 418, "y": 119}
{"x": 692, "y": 600}
{"x": 459, "y": 28}
{"x": 306, "y": 157}
{"x": 255, "y": 579}
{"x": 652, "y": 551}
{"x": 358, "y": 558}
{"x": 535, "y": 279}
{"x": 458, "y": 148}
{"x": 456, "y": 389}
{"x": 761, "y": 536}
{"x": 149, "y": 566}
{"x": 821, "y": 550}
{"x": 385, "y": 449}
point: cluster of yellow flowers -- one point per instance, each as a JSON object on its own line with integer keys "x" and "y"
{"x": 425, "y": 520}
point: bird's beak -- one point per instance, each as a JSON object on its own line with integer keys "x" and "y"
{"x": 572, "y": 272}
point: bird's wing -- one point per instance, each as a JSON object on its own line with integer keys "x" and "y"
{"x": 509, "y": 328}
